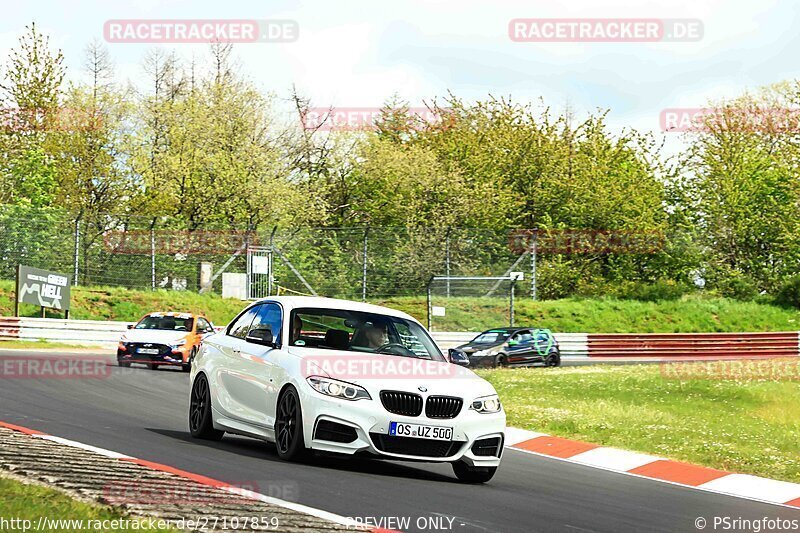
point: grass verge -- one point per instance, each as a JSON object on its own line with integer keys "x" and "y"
{"x": 30, "y": 502}
{"x": 735, "y": 424}
{"x": 43, "y": 345}
{"x": 690, "y": 314}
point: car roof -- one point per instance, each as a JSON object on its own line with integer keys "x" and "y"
{"x": 294, "y": 302}
{"x": 175, "y": 313}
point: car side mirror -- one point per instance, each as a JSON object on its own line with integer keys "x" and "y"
{"x": 261, "y": 336}
{"x": 130, "y": 326}
{"x": 457, "y": 357}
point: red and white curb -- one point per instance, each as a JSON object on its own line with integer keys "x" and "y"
{"x": 611, "y": 459}
{"x": 203, "y": 480}
{"x": 656, "y": 468}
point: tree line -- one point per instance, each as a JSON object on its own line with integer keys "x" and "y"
{"x": 198, "y": 143}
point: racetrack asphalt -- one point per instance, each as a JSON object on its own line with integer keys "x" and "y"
{"x": 143, "y": 413}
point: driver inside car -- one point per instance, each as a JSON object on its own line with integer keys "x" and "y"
{"x": 297, "y": 328}
{"x": 375, "y": 335}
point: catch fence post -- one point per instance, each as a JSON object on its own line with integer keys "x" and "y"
{"x": 364, "y": 268}
{"x": 77, "y": 248}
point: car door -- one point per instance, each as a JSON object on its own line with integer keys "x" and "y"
{"x": 520, "y": 347}
{"x": 543, "y": 342}
{"x": 260, "y": 368}
{"x": 229, "y": 373}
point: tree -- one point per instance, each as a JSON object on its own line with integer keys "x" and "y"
{"x": 33, "y": 78}
{"x": 745, "y": 189}
{"x": 30, "y": 96}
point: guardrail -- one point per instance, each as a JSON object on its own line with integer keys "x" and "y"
{"x": 60, "y": 330}
{"x": 611, "y": 345}
{"x": 666, "y": 345}
{"x": 97, "y": 332}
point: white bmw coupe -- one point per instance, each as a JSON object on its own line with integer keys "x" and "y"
{"x": 345, "y": 377}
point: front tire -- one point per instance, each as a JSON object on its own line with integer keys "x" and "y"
{"x": 473, "y": 474}
{"x": 123, "y": 364}
{"x": 187, "y": 366}
{"x": 152, "y": 366}
{"x": 289, "y": 427}
{"x": 200, "y": 423}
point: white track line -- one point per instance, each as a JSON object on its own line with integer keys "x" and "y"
{"x": 318, "y": 513}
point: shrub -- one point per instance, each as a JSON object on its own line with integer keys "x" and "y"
{"x": 663, "y": 289}
{"x": 789, "y": 293}
{"x": 737, "y": 286}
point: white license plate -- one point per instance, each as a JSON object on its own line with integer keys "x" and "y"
{"x": 401, "y": 429}
{"x": 148, "y": 351}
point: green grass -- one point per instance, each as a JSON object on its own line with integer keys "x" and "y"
{"x": 41, "y": 344}
{"x": 29, "y": 502}
{"x": 692, "y": 313}
{"x": 743, "y": 426}
{"x": 116, "y": 303}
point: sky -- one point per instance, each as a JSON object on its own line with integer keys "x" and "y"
{"x": 354, "y": 53}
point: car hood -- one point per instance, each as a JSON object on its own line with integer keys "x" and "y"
{"x": 385, "y": 372}
{"x": 156, "y": 336}
{"x": 471, "y": 348}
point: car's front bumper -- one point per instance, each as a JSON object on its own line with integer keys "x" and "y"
{"x": 482, "y": 361}
{"x": 370, "y": 421}
{"x": 166, "y": 357}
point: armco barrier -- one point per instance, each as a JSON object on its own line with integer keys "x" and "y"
{"x": 107, "y": 333}
{"x": 612, "y": 345}
{"x": 9, "y": 328}
{"x": 667, "y": 345}
{"x": 72, "y": 331}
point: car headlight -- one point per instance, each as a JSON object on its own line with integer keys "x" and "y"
{"x": 338, "y": 389}
{"x": 490, "y": 351}
{"x": 177, "y": 344}
{"x": 486, "y": 404}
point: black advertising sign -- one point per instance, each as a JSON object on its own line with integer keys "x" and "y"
{"x": 43, "y": 288}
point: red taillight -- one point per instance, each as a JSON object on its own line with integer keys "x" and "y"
{"x": 122, "y": 347}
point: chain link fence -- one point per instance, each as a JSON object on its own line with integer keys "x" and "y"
{"x": 353, "y": 262}
{"x": 162, "y": 253}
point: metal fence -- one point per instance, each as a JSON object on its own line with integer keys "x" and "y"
{"x": 357, "y": 263}
{"x": 152, "y": 253}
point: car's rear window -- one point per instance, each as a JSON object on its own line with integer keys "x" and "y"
{"x": 163, "y": 322}
{"x": 491, "y": 337}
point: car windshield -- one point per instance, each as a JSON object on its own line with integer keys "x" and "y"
{"x": 491, "y": 337}
{"x": 171, "y": 323}
{"x": 357, "y": 331}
